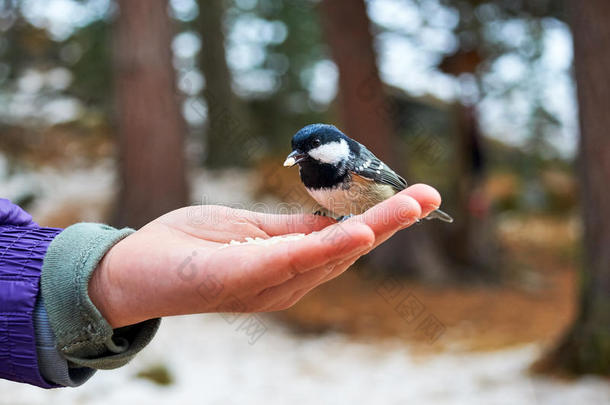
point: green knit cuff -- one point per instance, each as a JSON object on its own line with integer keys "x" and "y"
{"x": 82, "y": 334}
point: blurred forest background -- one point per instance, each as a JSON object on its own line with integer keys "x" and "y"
{"x": 119, "y": 111}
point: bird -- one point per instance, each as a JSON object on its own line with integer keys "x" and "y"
{"x": 342, "y": 175}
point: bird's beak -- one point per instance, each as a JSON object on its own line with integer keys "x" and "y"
{"x": 294, "y": 158}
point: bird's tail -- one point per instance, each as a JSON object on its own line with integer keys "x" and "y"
{"x": 438, "y": 214}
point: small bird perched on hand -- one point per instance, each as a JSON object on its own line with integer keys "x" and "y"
{"x": 342, "y": 175}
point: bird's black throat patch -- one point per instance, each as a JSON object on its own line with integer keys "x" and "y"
{"x": 318, "y": 175}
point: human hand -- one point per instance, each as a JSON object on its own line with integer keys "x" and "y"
{"x": 177, "y": 264}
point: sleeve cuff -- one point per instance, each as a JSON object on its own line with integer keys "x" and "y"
{"x": 53, "y": 366}
{"x": 83, "y": 336}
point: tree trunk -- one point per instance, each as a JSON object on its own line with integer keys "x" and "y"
{"x": 226, "y": 126}
{"x": 473, "y": 246}
{"x": 367, "y": 117}
{"x": 150, "y": 123}
{"x": 363, "y": 104}
{"x": 586, "y": 347}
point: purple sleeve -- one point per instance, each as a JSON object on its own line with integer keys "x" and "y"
{"x": 11, "y": 214}
{"x": 22, "y": 249}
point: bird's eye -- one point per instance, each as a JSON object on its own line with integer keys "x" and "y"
{"x": 316, "y": 143}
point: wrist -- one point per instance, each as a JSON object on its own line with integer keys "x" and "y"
{"x": 108, "y": 293}
{"x": 99, "y": 291}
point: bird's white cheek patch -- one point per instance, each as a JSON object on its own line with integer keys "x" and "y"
{"x": 333, "y": 152}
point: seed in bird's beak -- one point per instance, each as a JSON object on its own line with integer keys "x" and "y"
{"x": 294, "y": 158}
{"x": 289, "y": 162}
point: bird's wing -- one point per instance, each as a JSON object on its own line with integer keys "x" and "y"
{"x": 370, "y": 167}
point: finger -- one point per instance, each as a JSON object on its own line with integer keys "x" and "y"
{"x": 274, "y": 224}
{"x": 289, "y": 292}
{"x": 319, "y": 248}
{"x": 390, "y": 215}
{"x": 341, "y": 267}
{"x": 330, "y": 273}
{"x": 282, "y": 295}
{"x": 269, "y": 265}
{"x": 428, "y": 198}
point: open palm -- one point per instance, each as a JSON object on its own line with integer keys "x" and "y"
{"x": 180, "y": 263}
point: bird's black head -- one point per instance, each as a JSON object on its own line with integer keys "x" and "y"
{"x": 320, "y": 143}
{"x": 322, "y": 152}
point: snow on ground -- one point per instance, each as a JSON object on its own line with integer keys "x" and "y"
{"x": 213, "y": 362}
